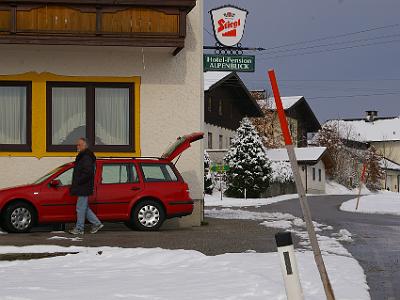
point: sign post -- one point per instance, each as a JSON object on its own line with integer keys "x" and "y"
{"x": 220, "y": 169}
{"x": 300, "y": 189}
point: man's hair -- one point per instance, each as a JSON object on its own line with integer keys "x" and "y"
{"x": 85, "y": 141}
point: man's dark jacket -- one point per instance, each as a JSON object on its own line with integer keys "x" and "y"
{"x": 83, "y": 175}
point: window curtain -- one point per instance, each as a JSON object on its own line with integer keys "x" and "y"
{"x": 13, "y": 115}
{"x": 68, "y": 115}
{"x": 112, "y": 116}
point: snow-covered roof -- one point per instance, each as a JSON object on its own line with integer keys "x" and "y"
{"x": 287, "y": 102}
{"x": 211, "y": 78}
{"x": 389, "y": 165}
{"x": 302, "y": 154}
{"x": 387, "y": 129}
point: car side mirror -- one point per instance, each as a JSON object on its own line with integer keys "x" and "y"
{"x": 55, "y": 183}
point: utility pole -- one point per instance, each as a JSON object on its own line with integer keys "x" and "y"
{"x": 300, "y": 189}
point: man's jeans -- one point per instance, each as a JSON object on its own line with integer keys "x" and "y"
{"x": 83, "y": 211}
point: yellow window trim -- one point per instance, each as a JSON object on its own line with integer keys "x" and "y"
{"x": 39, "y": 111}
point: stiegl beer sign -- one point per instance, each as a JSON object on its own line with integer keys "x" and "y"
{"x": 228, "y": 23}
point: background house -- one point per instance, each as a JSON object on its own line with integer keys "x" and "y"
{"x": 226, "y": 102}
{"x": 383, "y": 133}
{"x": 301, "y": 119}
{"x": 312, "y": 161}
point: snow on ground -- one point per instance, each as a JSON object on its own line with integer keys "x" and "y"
{"x": 74, "y": 239}
{"x": 116, "y": 273}
{"x": 334, "y": 188}
{"x": 380, "y": 203}
{"x": 215, "y": 200}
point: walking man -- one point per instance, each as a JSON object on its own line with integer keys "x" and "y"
{"x": 82, "y": 186}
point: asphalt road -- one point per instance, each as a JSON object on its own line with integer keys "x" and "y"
{"x": 376, "y": 243}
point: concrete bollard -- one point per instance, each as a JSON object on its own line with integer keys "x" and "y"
{"x": 289, "y": 266}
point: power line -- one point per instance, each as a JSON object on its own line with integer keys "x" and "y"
{"x": 332, "y": 44}
{"x": 206, "y": 30}
{"x": 333, "y": 36}
{"x": 353, "y": 96}
{"x": 331, "y": 50}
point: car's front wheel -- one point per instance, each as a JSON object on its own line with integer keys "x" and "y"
{"x": 19, "y": 217}
{"x": 148, "y": 215}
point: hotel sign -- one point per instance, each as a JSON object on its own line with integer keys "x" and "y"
{"x": 236, "y": 63}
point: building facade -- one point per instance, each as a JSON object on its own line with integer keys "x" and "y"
{"x": 126, "y": 76}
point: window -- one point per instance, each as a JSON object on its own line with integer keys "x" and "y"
{"x": 209, "y": 140}
{"x": 220, "y": 107}
{"x": 158, "y": 173}
{"x": 220, "y": 141}
{"x": 15, "y": 116}
{"x": 319, "y": 175}
{"x": 313, "y": 174}
{"x": 101, "y": 112}
{"x": 209, "y": 104}
{"x": 115, "y": 173}
{"x": 230, "y": 141}
{"x": 66, "y": 177}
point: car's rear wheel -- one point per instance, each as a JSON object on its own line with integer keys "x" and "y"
{"x": 148, "y": 215}
{"x": 19, "y": 217}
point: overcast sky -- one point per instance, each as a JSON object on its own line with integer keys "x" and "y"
{"x": 365, "y": 70}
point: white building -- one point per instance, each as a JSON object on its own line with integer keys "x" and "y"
{"x": 312, "y": 163}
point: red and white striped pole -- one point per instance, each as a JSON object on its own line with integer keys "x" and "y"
{"x": 300, "y": 189}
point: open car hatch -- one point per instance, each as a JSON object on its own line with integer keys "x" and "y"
{"x": 181, "y": 144}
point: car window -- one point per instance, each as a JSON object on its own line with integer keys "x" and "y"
{"x": 158, "y": 172}
{"x": 47, "y": 176}
{"x": 65, "y": 177}
{"x": 115, "y": 173}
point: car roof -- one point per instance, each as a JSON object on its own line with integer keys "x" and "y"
{"x": 132, "y": 159}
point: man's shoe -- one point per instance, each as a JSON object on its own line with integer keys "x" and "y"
{"x": 96, "y": 228}
{"x": 76, "y": 231}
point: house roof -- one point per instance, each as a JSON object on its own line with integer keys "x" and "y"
{"x": 309, "y": 154}
{"x": 287, "y": 102}
{"x": 213, "y": 80}
{"x": 388, "y": 164}
{"x": 360, "y": 130}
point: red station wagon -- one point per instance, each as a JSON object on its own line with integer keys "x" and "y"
{"x": 142, "y": 192}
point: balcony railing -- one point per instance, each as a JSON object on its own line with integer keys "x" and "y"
{"x": 135, "y": 23}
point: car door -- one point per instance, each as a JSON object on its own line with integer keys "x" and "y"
{"x": 118, "y": 185}
{"x": 56, "y": 202}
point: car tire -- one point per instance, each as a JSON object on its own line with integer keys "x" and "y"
{"x": 19, "y": 217}
{"x": 148, "y": 215}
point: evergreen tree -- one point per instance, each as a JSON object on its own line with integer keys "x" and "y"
{"x": 208, "y": 184}
{"x": 249, "y": 167}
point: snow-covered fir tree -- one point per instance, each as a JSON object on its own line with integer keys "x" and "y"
{"x": 208, "y": 184}
{"x": 249, "y": 167}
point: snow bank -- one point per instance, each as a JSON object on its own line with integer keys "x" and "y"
{"x": 115, "y": 273}
{"x": 215, "y": 200}
{"x": 380, "y": 203}
{"x": 334, "y": 188}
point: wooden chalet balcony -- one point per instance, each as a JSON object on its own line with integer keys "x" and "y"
{"x": 134, "y": 23}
